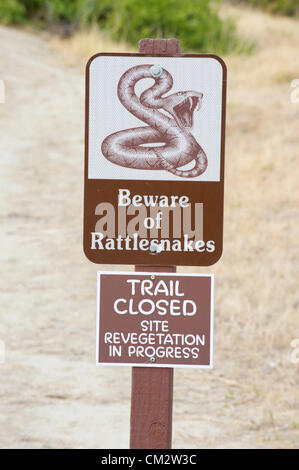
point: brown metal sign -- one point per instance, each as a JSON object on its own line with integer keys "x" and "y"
{"x": 154, "y": 159}
{"x": 154, "y": 319}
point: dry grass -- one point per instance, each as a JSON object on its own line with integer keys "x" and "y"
{"x": 250, "y": 398}
{"x": 86, "y": 43}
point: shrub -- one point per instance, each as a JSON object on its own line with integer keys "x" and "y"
{"x": 196, "y": 23}
{"x": 12, "y": 12}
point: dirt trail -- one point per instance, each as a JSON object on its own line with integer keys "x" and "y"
{"x": 52, "y": 395}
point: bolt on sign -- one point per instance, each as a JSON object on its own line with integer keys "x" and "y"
{"x": 154, "y": 159}
{"x": 154, "y": 319}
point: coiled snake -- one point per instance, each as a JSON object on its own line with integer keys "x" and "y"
{"x": 129, "y": 148}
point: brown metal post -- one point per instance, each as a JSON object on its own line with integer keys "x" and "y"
{"x": 151, "y": 398}
{"x": 152, "y": 387}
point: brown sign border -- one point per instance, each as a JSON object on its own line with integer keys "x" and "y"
{"x": 148, "y": 363}
{"x": 149, "y": 259}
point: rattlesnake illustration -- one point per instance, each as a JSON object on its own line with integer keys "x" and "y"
{"x": 129, "y": 148}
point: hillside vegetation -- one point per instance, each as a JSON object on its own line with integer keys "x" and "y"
{"x": 197, "y": 24}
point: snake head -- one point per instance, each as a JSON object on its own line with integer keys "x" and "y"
{"x": 182, "y": 105}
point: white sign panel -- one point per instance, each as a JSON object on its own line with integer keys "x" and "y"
{"x": 184, "y": 105}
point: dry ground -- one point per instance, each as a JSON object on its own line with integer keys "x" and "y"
{"x": 52, "y": 395}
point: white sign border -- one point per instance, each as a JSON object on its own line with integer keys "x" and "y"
{"x": 146, "y": 364}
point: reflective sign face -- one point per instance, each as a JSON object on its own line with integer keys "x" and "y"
{"x": 154, "y": 161}
{"x": 154, "y": 319}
